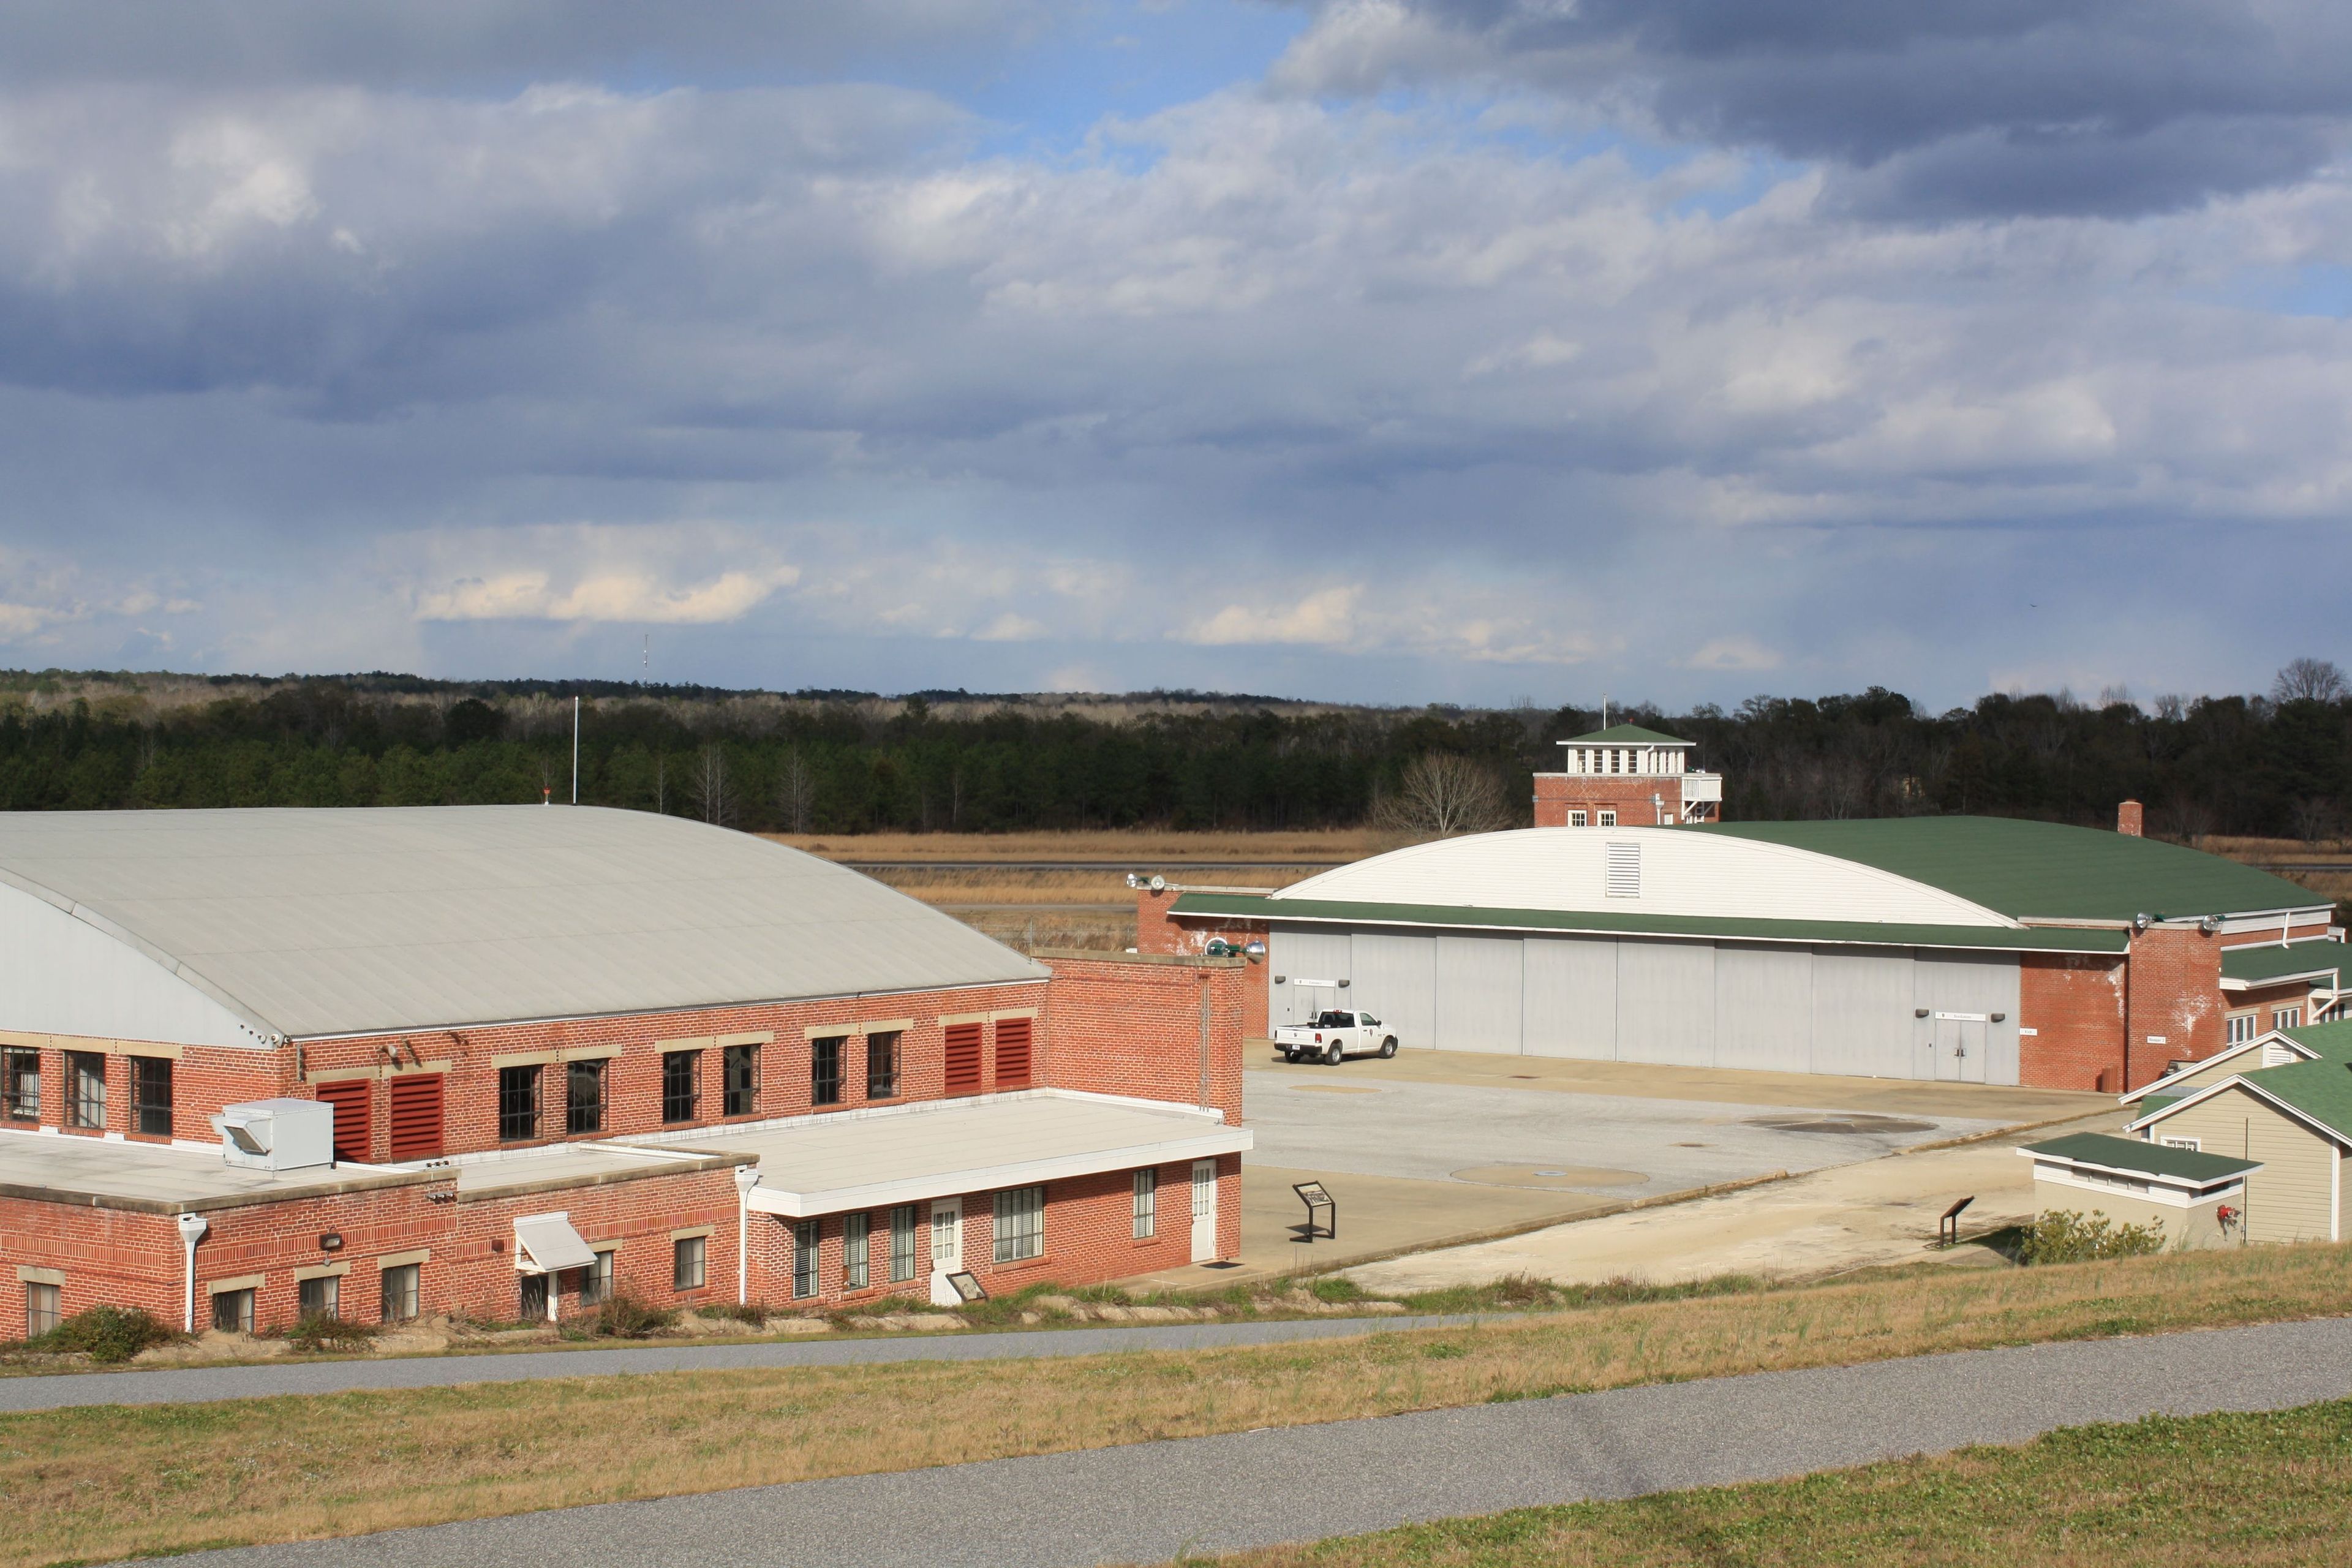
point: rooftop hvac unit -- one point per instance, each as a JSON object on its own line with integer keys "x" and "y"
{"x": 277, "y": 1134}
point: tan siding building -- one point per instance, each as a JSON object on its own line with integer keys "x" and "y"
{"x": 2296, "y": 1196}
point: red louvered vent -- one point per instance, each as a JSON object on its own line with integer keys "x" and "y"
{"x": 1012, "y": 1053}
{"x": 963, "y": 1058}
{"x": 417, "y": 1117}
{"x": 352, "y": 1099}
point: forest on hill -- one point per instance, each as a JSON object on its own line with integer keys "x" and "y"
{"x": 2276, "y": 765}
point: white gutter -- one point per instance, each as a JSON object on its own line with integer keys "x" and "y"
{"x": 192, "y": 1230}
{"x": 746, "y": 1178}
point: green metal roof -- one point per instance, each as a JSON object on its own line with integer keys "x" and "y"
{"x": 2039, "y": 870}
{"x": 2321, "y": 1091}
{"x": 2149, "y": 1104}
{"x": 1248, "y": 906}
{"x": 1625, "y": 735}
{"x": 2332, "y": 1041}
{"x": 2266, "y": 963}
{"x": 2132, "y": 1155}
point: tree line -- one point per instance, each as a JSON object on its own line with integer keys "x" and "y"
{"x": 2276, "y": 764}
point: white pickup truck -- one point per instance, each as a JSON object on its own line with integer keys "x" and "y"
{"x": 1334, "y": 1035}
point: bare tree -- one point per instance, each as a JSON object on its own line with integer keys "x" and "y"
{"x": 2315, "y": 819}
{"x": 707, "y": 785}
{"x": 2310, "y": 680}
{"x": 2170, "y": 707}
{"x": 796, "y": 792}
{"x": 1440, "y": 795}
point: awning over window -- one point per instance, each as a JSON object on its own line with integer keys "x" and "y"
{"x": 546, "y": 1244}
{"x": 831, "y": 1164}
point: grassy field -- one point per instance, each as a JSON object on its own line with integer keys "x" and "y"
{"x": 95, "y": 1484}
{"x": 1075, "y": 905}
{"x": 2265, "y": 1489}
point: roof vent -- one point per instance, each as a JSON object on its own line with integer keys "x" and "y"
{"x": 1624, "y": 877}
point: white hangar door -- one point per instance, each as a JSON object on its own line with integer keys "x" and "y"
{"x": 1970, "y": 1034}
{"x": 1296, "y": 958}
{"x": 1666, "y": 1001}
{"x": 1395, "y": 980}
{"x": 1764, "y": 1007}
{"x": 1863, "y": 1005}
{"x": 1568, "y": 997}
{"x": 1478, "y": 984}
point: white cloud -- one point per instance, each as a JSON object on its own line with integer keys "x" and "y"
{"x": 1730, "y": 653}
{"x": 1328, "y": 617}
{"x": 606, "y": 597}
{"x": 1011, "y": 627}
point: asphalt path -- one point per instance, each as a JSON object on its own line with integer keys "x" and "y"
{"x": 187, "y": 1385}
{"x": 1148, "y": 1502}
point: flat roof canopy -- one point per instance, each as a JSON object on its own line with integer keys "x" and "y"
{"x": 830, "y": 1164}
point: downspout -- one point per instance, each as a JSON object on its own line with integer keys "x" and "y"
{"x": 746, "y": 1178}
{"x": 2129, "y": 942}
{"x": 192, "y": 1230}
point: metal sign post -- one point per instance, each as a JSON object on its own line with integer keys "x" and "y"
{"x": 1313, "y": 1195}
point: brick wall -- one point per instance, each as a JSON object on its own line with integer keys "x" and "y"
{"x": 2174, "y": 996}
{"x": 2075, "y": 1004}
{"x": 1089, "y": 1239}
{"x": 1627, "y": 795}
{"x": 204, "y": 1078}
{"x": 1134, "y": 1024}
{"x": 1157, "y": 931}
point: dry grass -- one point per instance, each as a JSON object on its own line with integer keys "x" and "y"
{"x": 2166, "y": 1492}
{"x": 101, "y": 1483}
{"x": 1136, "y": 848}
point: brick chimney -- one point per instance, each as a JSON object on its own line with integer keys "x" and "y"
{"x": 2129, "y": 818}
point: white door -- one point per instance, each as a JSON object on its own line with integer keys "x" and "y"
{"x": 947, "y": 1249}
{"x": 1205, "y": 1211}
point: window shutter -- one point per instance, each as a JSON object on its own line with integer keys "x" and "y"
{"x": 1624, "y": 871}
{"x": 963, "y": 1058}
{"x": 417, "y": 1116}
{"x": 1012, "y": 1053}
{"x": 352, "y": 1099}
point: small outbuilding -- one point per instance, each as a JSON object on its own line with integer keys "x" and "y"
{"x": 2196, "y": 1199}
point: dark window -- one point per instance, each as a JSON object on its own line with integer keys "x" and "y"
{"x": 902, "y": 1242}
{"x": 319, "y": 1298}
{"x": 963, "y": 1058}
{"x": 233, "y": 1312}
{"x": 415, "y": 1115}
{"x": 596, "y": 1284}
{"x": 681, "y": 1085}
{"x": 85, "y": 1089}
{"x": 530, "y": 1303}
{"x": 20, "y": 1085}
{"x": 400, "y": 1293}
{"x": 351, "y": 1097}
{"x": 41, "y": 1311}
{"x": 825, "y": 1070}
{"x": 151, "y": 1096}
{"x": 742, "y": 1067}
{"x": 688, "y": 1254}
{"x": 854, "y": 1250}
{"x": 1019, "y": 1224}
{"x": 518, "y": 1103}
{"x": 806, "y": 1236}
{"x": 1012, "y": 1053}
{"x": 882, "y": 1065}
{"x": 583, "y": 1097}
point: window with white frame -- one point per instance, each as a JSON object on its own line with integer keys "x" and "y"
{"x": 806, "y": 1236}
{"x": 2286, "y": 1017}
{"x": 856, "y": 1251}
{"x": 902, "y": 1243}
{"x": 2241, "y": 1027}
{"x": 1608, "y": 819}
{"x": 1580, "y": 820}
{"x": 1019, "y": 1224}
{"x": 1147, "y": 1204}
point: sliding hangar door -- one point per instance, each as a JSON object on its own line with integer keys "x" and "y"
{"x": 1875, "y": 1012}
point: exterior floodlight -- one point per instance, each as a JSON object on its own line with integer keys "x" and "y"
{"x": 1133, "y": 881}
{"x": 1999, "y": 1018}
{"x": 2139, "y": 920}
{"x": 1282, "y": 980}
{"x": 1254, "y": 952}
{"x": 2209, "y": 924}
{"x": 1918, "y": 1012}
{"x": 1158, "y": 884}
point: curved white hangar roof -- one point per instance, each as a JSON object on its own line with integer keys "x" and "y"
{"x": 234, "y": 926}
{"x": 1668, "y": 871}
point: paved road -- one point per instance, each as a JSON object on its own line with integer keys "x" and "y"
{"x": 1147, "y": 1502}
{"x": 185, "y": 1385}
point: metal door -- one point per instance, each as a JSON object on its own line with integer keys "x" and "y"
{"x": 1205, "y": 1211}
{"x": 1960, "y": 1048}
{"x": 947, "y": 1249}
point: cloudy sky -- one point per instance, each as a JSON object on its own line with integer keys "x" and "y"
{"x": 1390, "y": 350}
